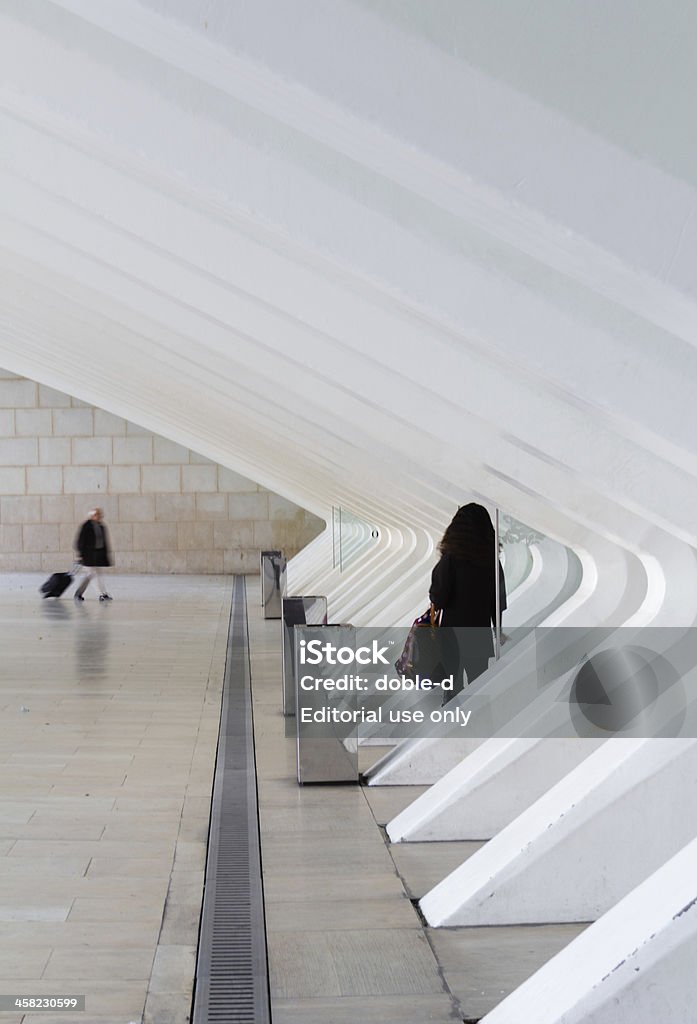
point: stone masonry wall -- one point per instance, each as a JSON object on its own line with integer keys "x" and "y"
{"x": 167, "y": 508}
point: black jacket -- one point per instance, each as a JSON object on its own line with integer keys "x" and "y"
{"x": 85, "y": 543}
{"x": 466, "y": 592}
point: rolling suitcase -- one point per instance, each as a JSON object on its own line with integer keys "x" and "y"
{"x": 56, "y": 584}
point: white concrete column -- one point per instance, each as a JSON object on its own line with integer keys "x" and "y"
{"x": 583, "y": 845}
{"x": 488, "y": 789}
{"x": 636, "y": 965}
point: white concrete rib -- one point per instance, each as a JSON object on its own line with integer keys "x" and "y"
{"x": 278, "y": 256}
{"x": 612, "y": 810}
{"x": 634, "y": 964}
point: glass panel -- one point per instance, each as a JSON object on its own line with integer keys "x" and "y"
{"x": 352, "y": 536}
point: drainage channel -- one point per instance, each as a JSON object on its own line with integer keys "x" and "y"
{"x": 232, "y": 985}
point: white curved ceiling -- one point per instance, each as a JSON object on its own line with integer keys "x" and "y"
{"x": 373, "y": 253}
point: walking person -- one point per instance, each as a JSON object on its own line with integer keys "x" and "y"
{"x": 93, "y": 550}
{"x": 463, "y": 585}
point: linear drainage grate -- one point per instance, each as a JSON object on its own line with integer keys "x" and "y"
{"x": 232, "y": 983}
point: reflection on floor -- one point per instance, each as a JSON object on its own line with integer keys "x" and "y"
{"x": 107, "y": 743}
{"x": 108, "y": 733}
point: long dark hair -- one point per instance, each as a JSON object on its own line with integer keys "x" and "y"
{"x": 470, "y": 536}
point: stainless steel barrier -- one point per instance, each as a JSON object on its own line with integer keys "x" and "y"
{"x": 262, "y": 555}
{"x": 296, "y": 611}
{"x": 273, "y": 583}
{"x": 324, "y": 754}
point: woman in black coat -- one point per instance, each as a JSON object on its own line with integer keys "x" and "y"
{"x": 463, "y": 585}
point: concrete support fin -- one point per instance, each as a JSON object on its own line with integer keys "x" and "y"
{"x": 491, "y": 787}
{"x": 636, "y": 965}
{"x": 583, "y": 845}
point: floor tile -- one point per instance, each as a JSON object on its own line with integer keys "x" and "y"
{"x": 33, "y": 912}
{"x": 123, "y": 909}
{"x": 431, "y": 1009}
{"x": 131, "y": 867}
{"x": 483, "y": 965}
{"x": 19, "y": 961}
{"x": 122, "y": 725}
{"x": 173, "y": 970}
{"x": 387, "y": 962}
{"x": 180, "y": 926}
{"x": 104, "y": 963}
{"x": 284, "y": 888}
{"x": 423, "y": 865}
{"x": 386, "y": 802}
{"x": 340, "y": 915}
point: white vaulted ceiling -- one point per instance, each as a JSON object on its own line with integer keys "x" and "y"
{"x": 382, "y": 254}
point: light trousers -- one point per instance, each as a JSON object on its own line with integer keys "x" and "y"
{"x": 91, "y": 572}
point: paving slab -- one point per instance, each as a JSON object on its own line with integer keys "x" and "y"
{"x": 431, "y": 1009}
{"x": 484, "y": 965}
{"x": 363, "y": 962}
{"x": 342, "y": 914}
{"x": 423, "y": 865}
{"x": 386, "y": 802}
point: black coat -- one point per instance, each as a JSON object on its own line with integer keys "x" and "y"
{"x": 466, "y": 592}
{"x": 85, "y": 544}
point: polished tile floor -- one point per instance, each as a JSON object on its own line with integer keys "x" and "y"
{"x": 108, "y": 728}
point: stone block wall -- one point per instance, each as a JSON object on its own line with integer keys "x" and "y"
{"x": 167, "y": 508}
